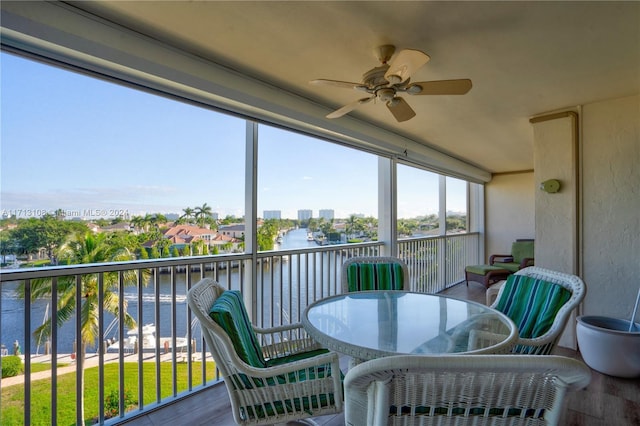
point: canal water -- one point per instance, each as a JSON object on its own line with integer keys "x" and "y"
{"x": 12, "y": 308}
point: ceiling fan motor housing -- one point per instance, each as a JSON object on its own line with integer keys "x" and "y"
{"x": 375, "y": 77}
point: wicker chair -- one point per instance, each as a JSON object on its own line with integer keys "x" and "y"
{"x": 374, "y": 273}
{"x": 530, "y": 285}
{"x": 296, "y": 379}
{"x": 502, "y": 265}
{"x": 461, "y": 389}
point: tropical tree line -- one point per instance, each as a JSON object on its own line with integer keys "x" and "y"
{"x": 46, "y": 234}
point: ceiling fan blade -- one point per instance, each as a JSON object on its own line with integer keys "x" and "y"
{"x": 349, "y": 107}
{"x": 404, "y": 64}
{"x": 441, "y": 87}
{"x": 400, "y": 109}
{"x": 336, "y": 83}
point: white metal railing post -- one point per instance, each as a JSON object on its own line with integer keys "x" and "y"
{"x": 442, "y": 242}
{"x": 54, "y": 349}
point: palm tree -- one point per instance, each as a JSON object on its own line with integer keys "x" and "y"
{"x": 149, "y": 222}
{"x": 188, "y": 214}
{"x": 82, "y": 249}
{"x": 137, "y": 222}
{"x": 351, "y": 226}
{"x": 201, "y": 213}
{"x": 158, "y": 219}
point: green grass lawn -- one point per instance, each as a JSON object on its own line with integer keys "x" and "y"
{"x": 43, "y": 366}
{"x": 12, "y": 402}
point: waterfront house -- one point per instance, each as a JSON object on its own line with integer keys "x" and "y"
{"x": 234, "y": 231}
{"x": 556, "y": 95}
{"x": 186, "y": 234}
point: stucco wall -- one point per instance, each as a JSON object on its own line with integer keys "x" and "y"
{"x": 554, "y": 157}
{"x": 510, "y": 211}
{"x": 611, "y": 206}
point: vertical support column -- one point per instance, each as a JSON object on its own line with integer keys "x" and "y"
{"x": 556, "y": 214}
{"x": 476, "y": 217}
{"x": 442, "y": 204}
{"x": 387, "y": 206}
{"x": 250, "y": 217}
{"x": 442, "y": 227}
{"x": 555, "y": 156}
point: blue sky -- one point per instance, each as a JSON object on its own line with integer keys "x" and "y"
{"x": 85, "y": 145}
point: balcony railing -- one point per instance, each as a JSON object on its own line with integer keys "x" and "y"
{"x": 166, "y": 350}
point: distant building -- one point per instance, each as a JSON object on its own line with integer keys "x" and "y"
{"x": 120, "y": 226}
{"x": 305, "y": 214}
{"x": 327, "y": 214}
{"x": 272, "y": 214}
{"x": 234, "y": 231}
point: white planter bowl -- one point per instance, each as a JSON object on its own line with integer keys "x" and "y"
{"x": 607, "y": 345}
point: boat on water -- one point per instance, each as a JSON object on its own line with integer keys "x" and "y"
{"x": 130, "y": 344}
{"x": 310, "y": 236}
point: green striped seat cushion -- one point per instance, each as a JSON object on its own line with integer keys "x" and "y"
{"x": 531, "y": 303}
{"x": 228, "y": 312}
{"x": 375, "y": 276}
{"x": 306, "y": 403}
{"x": 242, "y": 381}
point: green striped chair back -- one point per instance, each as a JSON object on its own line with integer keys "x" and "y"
{"x": 228, "y": 312}
{"x": 531, "y": 303}
{"x": 375, "y": 276}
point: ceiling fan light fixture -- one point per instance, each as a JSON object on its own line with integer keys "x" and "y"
{"x": 414, "y": 89}
{"x": 386, "y": 94}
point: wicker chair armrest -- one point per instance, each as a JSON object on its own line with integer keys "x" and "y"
{"x": 500, "y": 258}
{"x": 478, "y": 335}
{"x": 279, "y": 328}
{"x": 285, "y": 340}
{"x": 325, "y": 359}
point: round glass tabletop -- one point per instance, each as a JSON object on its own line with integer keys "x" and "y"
{"x": 374, "y": 324}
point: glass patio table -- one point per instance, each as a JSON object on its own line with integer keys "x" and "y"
{"x": 374, "y": 324}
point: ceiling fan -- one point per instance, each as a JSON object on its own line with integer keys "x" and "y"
{"x": 392, "y": 78}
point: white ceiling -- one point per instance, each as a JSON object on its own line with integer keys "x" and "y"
{"x": 524, "y": 58}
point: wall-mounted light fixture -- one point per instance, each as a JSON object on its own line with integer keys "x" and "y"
{"x": 551, "y": 186}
